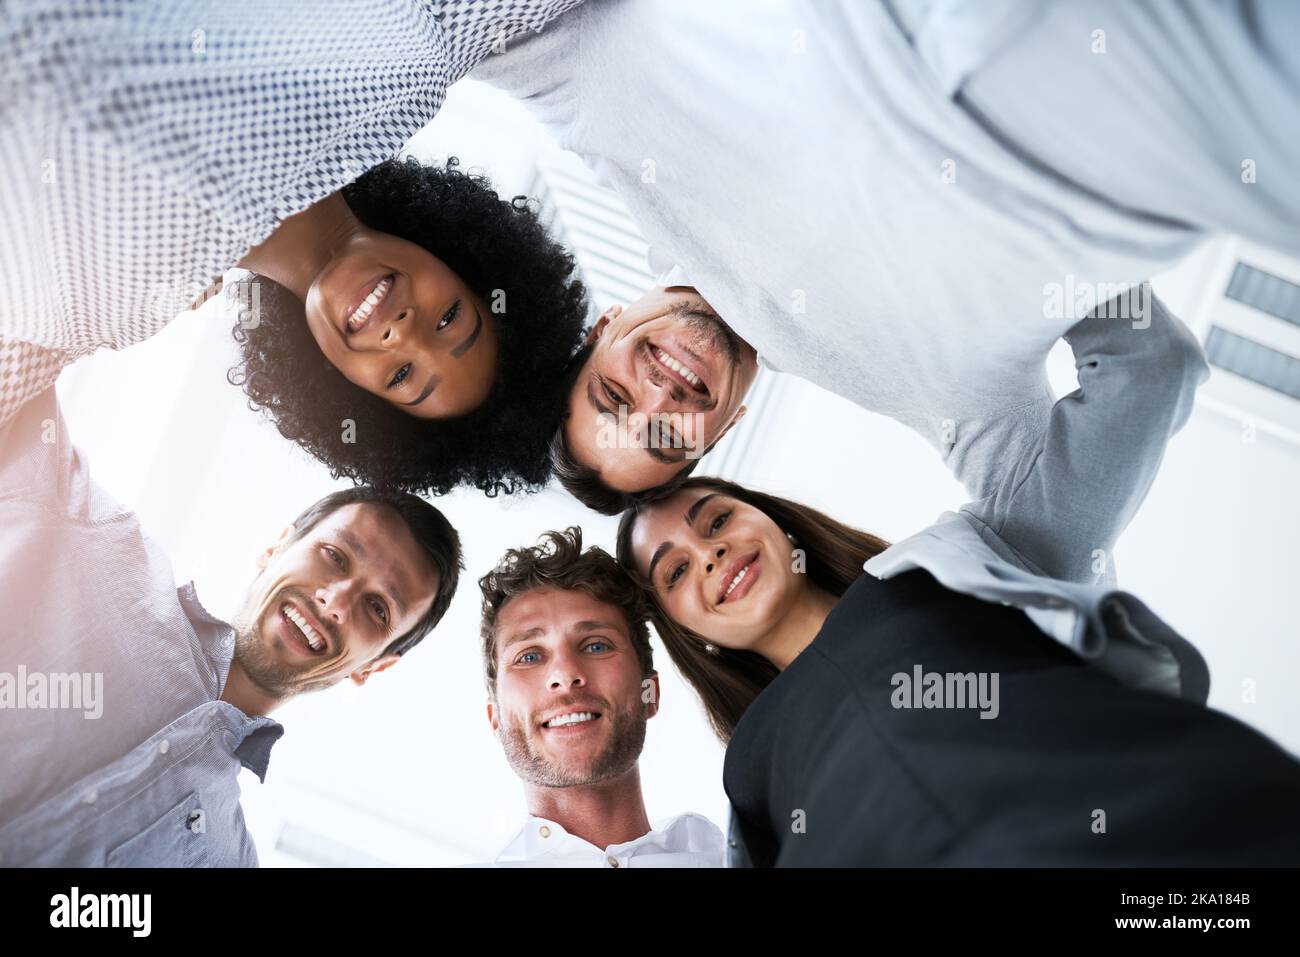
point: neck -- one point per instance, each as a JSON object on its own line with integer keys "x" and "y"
{"x": 245, "y": 695}
{"x": 303, "y": 245}
{"x": 611, "y": 812}
{"x": 797, "y": 628}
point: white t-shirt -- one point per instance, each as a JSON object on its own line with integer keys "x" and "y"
{"x": 688, "y": 840}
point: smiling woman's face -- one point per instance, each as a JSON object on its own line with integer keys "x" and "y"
{"x": 719, "y": 567}
{"x": 398, "y": 322}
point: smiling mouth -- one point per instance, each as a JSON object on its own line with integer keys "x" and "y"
{"x": 679, "y": 370}
{"x": 570, "y": 719}
{"x": 735, "y": 588}
{"x": 312, "y": 638}
{"x": 358, "y": 317}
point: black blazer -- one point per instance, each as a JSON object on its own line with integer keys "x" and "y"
{"x": 825, "y": 768}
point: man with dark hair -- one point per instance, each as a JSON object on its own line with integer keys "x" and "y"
{"x": 129, "y": 709}
{"x": 654, "y": 387}
{"x": 889, "y": 200}
{"x": 571, "y": 684}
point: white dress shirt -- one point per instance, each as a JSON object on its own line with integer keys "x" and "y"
{"x": 688, "y": 840}
{"x": 148, "y": 776}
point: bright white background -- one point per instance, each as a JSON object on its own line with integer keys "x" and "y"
{"x": 405, "y": 770}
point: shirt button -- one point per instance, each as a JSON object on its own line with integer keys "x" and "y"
{"x": 544, "y": 831}
{"x": 91, "y": 796}
{"x": 612, "y": 862}
{"x": 162, "y": 748}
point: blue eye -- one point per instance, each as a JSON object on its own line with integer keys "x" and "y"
{"x": 525, "y": 655}
{"x": 598, "y": 644}
{"x": 676, "y": 573}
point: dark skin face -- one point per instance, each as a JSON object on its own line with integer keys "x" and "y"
{"x": 423, "y": 341}
{"x": 666, "y": 355}
{"x": 387, "y": 313}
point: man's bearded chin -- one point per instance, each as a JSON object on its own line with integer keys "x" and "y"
{"x": 622, "y": 752}
{"x": 254, "y": 653}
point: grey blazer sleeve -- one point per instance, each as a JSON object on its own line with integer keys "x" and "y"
{"x": 1062, "y": 500}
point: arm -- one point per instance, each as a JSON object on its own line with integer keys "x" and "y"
{"x": 1060, "y": 501}
{"x": 26, "y": 371}
{"x": 39, "y": 465}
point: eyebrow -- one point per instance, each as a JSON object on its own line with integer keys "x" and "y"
{"x": 581, "y": 627}
{"x": 528, "y": 635}
{"x": 656, "y": 453}
{"x": 353, "y": 543}
{"x": 457, "y": 351}
{"x": 429, "y": 386}
{"x": 691, "y": 515}
{"x": 467, "y": 343}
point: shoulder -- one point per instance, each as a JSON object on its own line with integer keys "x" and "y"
{"x": 536, "y": 62}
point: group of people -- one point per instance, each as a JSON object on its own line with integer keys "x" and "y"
{"x": 873, "y": 196}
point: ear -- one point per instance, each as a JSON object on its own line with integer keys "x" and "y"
{"x": 598, "y": 329}
{"x": 361, "y": 675}
{"x": 492, "y": 716}
{"x": 270, "y": 551}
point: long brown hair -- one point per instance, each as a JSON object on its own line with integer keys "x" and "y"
{"x": 729, "y": 680}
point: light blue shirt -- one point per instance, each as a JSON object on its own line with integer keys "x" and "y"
{"x": 116, "y": 748}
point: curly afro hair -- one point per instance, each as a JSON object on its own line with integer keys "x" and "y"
{"x": 492, "y": 244}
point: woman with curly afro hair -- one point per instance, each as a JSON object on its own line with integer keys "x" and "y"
{"x": 411, "y": 330}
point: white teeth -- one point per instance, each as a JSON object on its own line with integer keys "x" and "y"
{"x": 677, "y": 367}
{"x": 313, "y": 639}
{"x": 736, "y": 581}
{"x": 363, "y": 311}
{"x": 578, "y": 717}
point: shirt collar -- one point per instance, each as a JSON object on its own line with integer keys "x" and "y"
{"x": 216, "y": 637}
{"x": 254, "y": 737}
{"x": 541, "y": 838}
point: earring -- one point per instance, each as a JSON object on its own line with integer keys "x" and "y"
{"x": 793, "y": 540}
{"x": 711, "y": 648}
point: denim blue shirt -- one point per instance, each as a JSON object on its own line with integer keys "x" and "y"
{"x": 115, "y": 747}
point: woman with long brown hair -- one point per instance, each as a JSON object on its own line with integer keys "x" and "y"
{"x": 845, "y": 698}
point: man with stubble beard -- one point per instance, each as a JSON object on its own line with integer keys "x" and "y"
{"x": 165, "y": 703}
{"x": 655, "y": 386}
{"x": 571, "y": 684}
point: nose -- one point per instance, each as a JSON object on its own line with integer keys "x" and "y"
{"x": 661, "y": 395}
{"x": 566, "y": 673}
{"x": 398, "y": 329}
{"x": 712, "y": 557}
{"x": 334, "y": 601}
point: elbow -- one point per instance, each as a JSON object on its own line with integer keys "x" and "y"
{"x": 1175, "y": 363}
